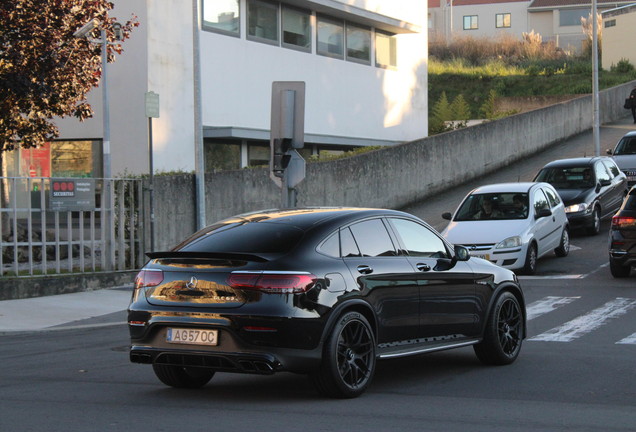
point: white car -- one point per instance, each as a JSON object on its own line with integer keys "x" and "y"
{"x": 624, "y": 155}
{"x": 511, "y": 224}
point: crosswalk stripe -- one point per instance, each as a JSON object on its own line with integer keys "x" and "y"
{"x": 629, "y": 340}
{"x": 547, "y": 304}
{"x": 588, "y": 322}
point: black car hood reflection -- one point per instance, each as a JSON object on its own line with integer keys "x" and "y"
{"x": 575, "y": 196}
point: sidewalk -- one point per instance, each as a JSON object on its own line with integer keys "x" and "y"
{"x": 97, "y": 308}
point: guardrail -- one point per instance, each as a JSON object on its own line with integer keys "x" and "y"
{"x": 38, "y": 240}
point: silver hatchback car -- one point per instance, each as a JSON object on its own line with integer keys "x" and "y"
{"x": 511, "y": 224}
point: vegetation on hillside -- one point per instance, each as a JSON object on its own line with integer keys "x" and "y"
{"x": 477, "y": 68}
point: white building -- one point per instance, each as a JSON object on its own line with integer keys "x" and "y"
{"x": 619, "y": 26}
{"x": 364, "y": 63}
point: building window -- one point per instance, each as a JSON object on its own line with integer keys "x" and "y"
{"x": 221, "y": 16}
{"x": 572, "y": 17}
{"x": 296, "y": 28}
{"x": 385, "y": 50}
{"x": 470, "y": 22}
{"x": 358, "y": 44}
{"x": 258, "y": 154}
{"x": 430, "y": 21}
{"x": 610, "y": 23}
{"x": 262, "y": 22}
{"x": 222, "y": 155}
{"x": 502, "y": 20}
{"x": 330, "y": 37}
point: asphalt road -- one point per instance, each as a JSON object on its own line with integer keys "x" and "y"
{"x": 576, "y": 371}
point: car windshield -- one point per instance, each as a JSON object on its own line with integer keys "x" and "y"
{"x": 250, "y": 238}
{"x": 626, "y": 146}
{"x": 568, "y": 178}
{"x": 499, "y": 206}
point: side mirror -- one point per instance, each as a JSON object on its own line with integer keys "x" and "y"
{"x": 447, "y": 216}
{"x": 461, "y": 253}
{"x": 605, "y": 182}
{"x": 608, "y": 151}
{"x": 543, "y": 213}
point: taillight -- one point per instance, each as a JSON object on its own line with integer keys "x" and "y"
{"x": 148, "y": 278}
{"x": 280, "y": 283}
{"x": 619, "y": 221}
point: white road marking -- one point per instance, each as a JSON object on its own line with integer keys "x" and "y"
{"x": 547, "y": 304}
{"x": 573, "y": 248}
{"x": 588, "y": 322}
{"x": 552, "y": 277}
{"x": 629, "y": 340}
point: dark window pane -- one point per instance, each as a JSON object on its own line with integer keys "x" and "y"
{"x": 552, "y": 197}
{"x": 262, "y": 20}
{"x": 601, "y": 172}
{"x": 222, "y": 156}
{"x": 348, "y": 244}
{"x": 254, "y": 238}
{"x": 296, "y": 29}
{"x": 540, "y": 201}
{"x": 331, "y": 246}
{"x": 373, "y": 238}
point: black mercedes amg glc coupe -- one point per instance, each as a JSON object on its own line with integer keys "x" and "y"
{"x": 320, "y": 291}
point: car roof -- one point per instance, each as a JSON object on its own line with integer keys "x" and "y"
{"x": 575, "y": 162}
{"x": 520, "y": 187}
{"x": 308, "y": 217}
{"x": 630, "y": 134}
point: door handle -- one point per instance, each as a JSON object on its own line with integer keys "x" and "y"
{"x": 423, "y": 267}
{"x": 365, "y": 269}
{"x": 553, "y": 219}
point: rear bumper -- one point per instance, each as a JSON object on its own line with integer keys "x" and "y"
{"x": 259, "y": 363}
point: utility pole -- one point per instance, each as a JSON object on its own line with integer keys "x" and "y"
{"x": 595, "y": 119}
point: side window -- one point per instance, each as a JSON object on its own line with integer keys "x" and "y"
{"x": 331, "y": 246}
{"x": 601, "y": 172}
{"x": 348, "y": 245}
{"x": 373, "y": 239}
{"x": 553, "y": 197}
{"x": 539, "y": 201}
{"x": 612, "y": 168}
{"x": 418, "y": 240}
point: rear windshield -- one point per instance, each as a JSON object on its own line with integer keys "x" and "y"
{"x": 244, "y": 237}
{"x": 567, "y": 178}
{"x": 626, "y": 146}
{"x": 631, "y": 202}
{"x": 494, "y": 206}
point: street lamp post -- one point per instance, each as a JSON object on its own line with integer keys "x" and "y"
{"x": 84, "y": 32}
{"x": 595, "y": 101}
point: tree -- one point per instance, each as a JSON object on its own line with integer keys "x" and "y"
{"x": 46, "y": 72}
{"x": 587, "y": 25}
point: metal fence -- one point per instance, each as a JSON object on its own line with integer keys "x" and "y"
{"x": 37, "y": 240}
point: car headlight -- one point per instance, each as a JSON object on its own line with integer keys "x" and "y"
{"x": 576, "y": 208}
{"x": 510, "y": 242}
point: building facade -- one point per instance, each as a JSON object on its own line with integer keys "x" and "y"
{"x": 364, "y": 64}
{"x": 619, "y": 27}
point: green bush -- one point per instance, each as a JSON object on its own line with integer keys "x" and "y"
{"x": 623, "y": 66}
{"x": 533, "y": 70}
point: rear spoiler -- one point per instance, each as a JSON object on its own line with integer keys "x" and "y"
{"x": 207, "y": 255}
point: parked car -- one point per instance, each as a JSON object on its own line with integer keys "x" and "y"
{"x": 514, "y": 236}
{"x": 622, "y": 238}
{"x": 624, "y": 154}
{"x": 320, "y": 291}
{"x": 591, "y": 189}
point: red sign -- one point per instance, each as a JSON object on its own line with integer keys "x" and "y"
{"x": 63, "y": 188}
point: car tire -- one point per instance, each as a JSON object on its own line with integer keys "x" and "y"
{"x": 348, "y": 362}
{"x": 503, "y": 334}
{"x": 564, "y": 247}
{"x": 619, "y": 271}
{"x": 595, "y": 229}
{"x": 181, "y": 377}
{"x": 530, "y": 267}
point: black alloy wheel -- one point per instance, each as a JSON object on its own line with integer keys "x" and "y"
{"x": 348, "y": 360}
{"x": 181, "y": 377}
{"x": 503, "y": 334}
{"x": 619, "y": 271}
{"x": 530, "y": 266}
{"x": 595, "y": 229}
{"x": 564, "y": 246}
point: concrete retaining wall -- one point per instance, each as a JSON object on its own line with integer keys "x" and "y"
{"x": 392, "y": 177}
